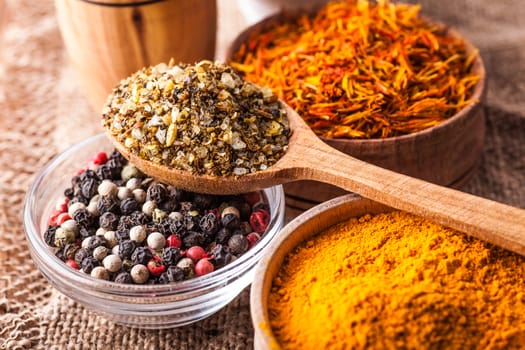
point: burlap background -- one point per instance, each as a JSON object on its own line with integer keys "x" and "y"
{"x": 41, "y": 107}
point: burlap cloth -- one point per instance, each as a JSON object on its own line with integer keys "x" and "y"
{"x": 41, "y": 108}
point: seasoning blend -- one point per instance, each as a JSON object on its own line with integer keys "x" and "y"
{"x": 200, "y": 118}
{"x": 396, "y": 281}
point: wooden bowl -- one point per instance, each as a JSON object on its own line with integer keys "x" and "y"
{"x": 446, "y": 154}
{"x": 306, "y": 225}
{"x": 107, "y": 40}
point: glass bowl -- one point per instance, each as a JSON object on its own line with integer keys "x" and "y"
{"x": 142, "y": 306}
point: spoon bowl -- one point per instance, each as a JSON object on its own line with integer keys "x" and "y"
{"x": 309, "y": 158}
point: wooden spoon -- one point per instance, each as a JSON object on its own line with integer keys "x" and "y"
{"x": 309, "y": 158}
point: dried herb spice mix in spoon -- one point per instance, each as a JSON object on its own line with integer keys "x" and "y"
{"x": 200, "y": 118}
{"x": 361, "y": 70}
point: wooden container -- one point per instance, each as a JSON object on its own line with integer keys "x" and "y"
{"x": 306, "y": 225}
{"x": 447, "y": 154}
{"x": 107, "y": 40}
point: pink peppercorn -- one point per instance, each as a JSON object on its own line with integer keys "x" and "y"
{"x": 98, "y": 159}
{"x": 252, "y": 198}
{"x": 252, "y": 238}
{"x": 259, "y": 220}
{"x": 195, "y": 253}
{"x": 62, "y": 204}
{"x": 53, "y": 217}
{"x": 73, "y": 264}
{"x": 61, "y": 218}
{"x": 155, "y": 266}
{"x": 173, "y": 241}
{"x": 203, "y": 267}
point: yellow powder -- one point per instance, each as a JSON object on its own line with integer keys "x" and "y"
{"x": 398, "y": 281}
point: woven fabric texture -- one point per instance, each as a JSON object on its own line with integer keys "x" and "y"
{"x": 42, "y": 105}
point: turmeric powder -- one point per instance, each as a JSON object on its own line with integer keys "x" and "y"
{"x": 397, "y": 281}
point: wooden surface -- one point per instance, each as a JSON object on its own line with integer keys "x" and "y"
{"x": 108, "y": 43}
{"x": 303, "y": 227}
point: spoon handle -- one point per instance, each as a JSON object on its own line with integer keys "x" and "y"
{"x": 493, "y": 222}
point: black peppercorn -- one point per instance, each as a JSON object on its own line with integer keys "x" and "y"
{"x": 108, "y": 203}
{"x": 89, "y": 187}
{"x": 80, "y": 199}
{"x": 238, "y": 244}
{"x": 68, "y": 192}
{"x": 191, "y": 222}
{"x": 156, "y": 192}
{"x": 179, "y": 195}
{"x": 60, "y": 254}
{"x": 128, "y": 206}
{"x": 122, "y": 234}
{"x": 49, "y": 236}
{"x": 209, "y": 223}
{"x": 192, "y": 238}
{"x": 172, "y": 274}
{"x": 231, "y": 221}
{"x": 70, "y": 250}
{"x": 170, "y": 256}
{"x": 89, "y": 263}
{"x": 141, "y": 255}
{"x": 220, "y": 255}
{"x": 85, "y": 232}
{"x": 203, "y": 201}
{"x": 108, "y": 171}
{"x": 169, "y": 205}
{"x": 83, "y": 218}
{"x": 118, "y": 158}
{"x": 126, "y": 248}
{"x": 81, "y": 254}
{"x": 139, "y": 218}
{"x": 124, "y": 278}
{"x": 109, "y": 221}
{"x": 223, "y": 235}
{"x": 96, "y": 241}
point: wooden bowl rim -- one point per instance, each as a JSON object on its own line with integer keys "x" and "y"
{"x": 339, "y": 208}
{"x": 477, "y": 98}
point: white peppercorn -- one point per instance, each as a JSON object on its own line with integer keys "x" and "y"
{"x": 107, "y": 188}
{"x": 186, "y": 264}
{"x": 70, "y": 225}
{"x": 148, "y": 207}
{"x": 124, "y": 192}
{"x": 230, "y": 210}
{"x": 63, "y": 237}
{"x": 100, "y": 273}
{"x": 100, "y": 231}
{"x": 133, "y": 183}
{"x": 112, "y": 263}
{"x": 176, "y": 215}
{"x": 140, "y": 195}
{"x": 137, "y": 233}
{"x": 129, "y": 171}
{"x": 85, "y": 242}
{"x": 92, "y": 207}
{"x": 156, "y": 240}
{"x": 139, "y": 274}
{"x": 115, "y": 250}
{"x": 100, "y": 252}
{"x": 111, "y": 238}
{"x": 73, "y": 208}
